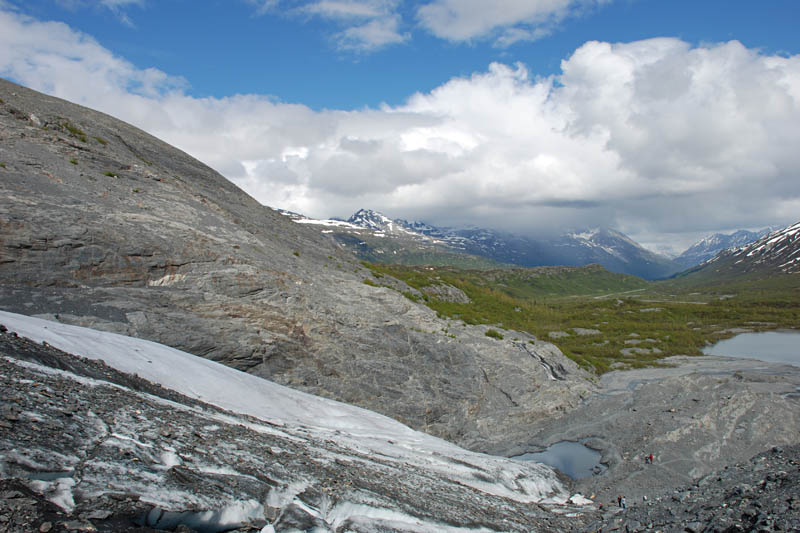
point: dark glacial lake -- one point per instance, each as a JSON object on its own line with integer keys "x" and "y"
{"x": 573, "y": 458}
{"x": 772, "y": 346}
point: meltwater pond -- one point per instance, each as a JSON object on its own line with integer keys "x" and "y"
{"x": 573, "y": 458}
{"x": 771, "y": 346}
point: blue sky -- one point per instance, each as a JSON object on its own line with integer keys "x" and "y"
{"x": 227, "y": 47}
{"x": 667, "y": 120}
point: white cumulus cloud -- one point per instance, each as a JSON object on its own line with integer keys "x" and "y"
{"x": 364, "y": 25}
{"x": 505, "y": 21}
{"x": 658, "y": 138}
{"x": 368, "y": 25}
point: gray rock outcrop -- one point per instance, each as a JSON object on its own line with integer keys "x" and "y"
{"x": 102, "y": 225}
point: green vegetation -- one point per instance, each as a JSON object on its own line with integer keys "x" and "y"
{"x": 2, "y": 164}
{"x": 401, "y": 252}
{"x": 296, "y": 253}
{"x": 101, "y": 140}
{"x": 110, "y": 174}
{"x": 75, "y": 130}
{"x": 603, "y": 320}
{"x": 73, "y": 161}
{"x": 411, "y": 296}
{"x": 494, "y": 334}
{"x": 137, "y": 190}
{"x": 370, "y": 283}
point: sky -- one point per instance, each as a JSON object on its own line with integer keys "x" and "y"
{"x": 666, "y": 120}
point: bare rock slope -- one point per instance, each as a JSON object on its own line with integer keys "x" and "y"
{"x": 103, "y": 225}
{"x": 699, "y": 416}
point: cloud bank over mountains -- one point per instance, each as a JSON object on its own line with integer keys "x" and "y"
{"x": 657, "y": 138}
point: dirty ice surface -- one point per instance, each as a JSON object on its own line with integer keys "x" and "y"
{"x": 359, "y": 429}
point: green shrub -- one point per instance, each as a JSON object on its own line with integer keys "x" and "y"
{"x": 370, "y": 283}
{"x": 73, "y": 161}
{"x": 411, "y": 296}
{"x": 75, "y": 130}
{"x": 493, "y": 333}
{"x": 110, "y": 174}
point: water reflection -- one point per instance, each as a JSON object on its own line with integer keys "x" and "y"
{"x": 772, "y": 346}
{"x": 573, "y": 458}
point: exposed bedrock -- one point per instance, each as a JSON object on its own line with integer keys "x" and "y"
{"x": 102, "y": 225}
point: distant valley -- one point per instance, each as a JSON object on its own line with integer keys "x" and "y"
{"x": 373, "y": 236}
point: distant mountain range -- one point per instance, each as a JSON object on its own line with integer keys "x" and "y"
{"x": 710, "y": 246}
{"x": 376, "y": 237}
{"x": 775, "y": 253}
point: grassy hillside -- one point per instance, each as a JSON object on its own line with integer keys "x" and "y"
{"x": 603, "y": 320}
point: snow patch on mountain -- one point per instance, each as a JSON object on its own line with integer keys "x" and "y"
{"x": 709, "y": 246}
{"x": 777, "y": 251}
{"x": 587, "y": 235}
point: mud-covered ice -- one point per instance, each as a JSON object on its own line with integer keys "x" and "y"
{"x": 184, "y": 440}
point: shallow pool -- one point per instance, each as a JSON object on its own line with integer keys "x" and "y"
{"x": 573, "y": 458}
{"x": 772, "y": 346}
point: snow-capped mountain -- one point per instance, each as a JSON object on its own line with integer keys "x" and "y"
{"x": 366, "y": 218}
{"x": 775, "y": 253}
{"x": 611, "y": 249}
{"x": 708, "y": 247}
{"x": 615, "y": 251}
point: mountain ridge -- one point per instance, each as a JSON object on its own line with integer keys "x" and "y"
{"x": 709, "y": 246}
{"x": 776, "y": 252}
{"x": 613, "y": 250}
